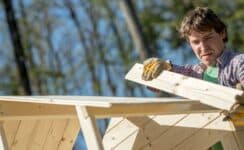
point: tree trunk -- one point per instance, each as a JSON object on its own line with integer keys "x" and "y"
{"x": 17, "y": 46}
{"x": 89, "y": 59}
{"x": 135, "y": 29}
{"x": 98, "y": 43}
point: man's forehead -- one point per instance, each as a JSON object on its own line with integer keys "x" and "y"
{"x": 200, "y": 33}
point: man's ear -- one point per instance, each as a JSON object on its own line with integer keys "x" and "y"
{"x": 223, "y": 34}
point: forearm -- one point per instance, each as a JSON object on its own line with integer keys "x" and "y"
{"x": 188, "y": 70}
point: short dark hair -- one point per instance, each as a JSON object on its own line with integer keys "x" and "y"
{"x": 202, "y": 19}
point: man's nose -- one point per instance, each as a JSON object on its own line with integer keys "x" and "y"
{"x": 203, "y": 46}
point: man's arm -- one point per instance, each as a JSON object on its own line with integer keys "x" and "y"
{"x": 240, "y": 72}
{"x": 195, "y": 71}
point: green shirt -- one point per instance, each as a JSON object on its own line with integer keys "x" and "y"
{"x": 211, "y": 75}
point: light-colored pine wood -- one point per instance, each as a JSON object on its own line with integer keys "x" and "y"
{"x": 3, "y": 139}
{"x": 207, "y": 135}
{"x": 23, "y": 135}
{"x": 45, "y": 134}
{"x": 40, "y": 134}
{"x": 239, "y": 135}
{"x": 11, "y": 128}
{"x": 89, "y": 128}
{"x": 140, "y": 131}
{"x": 93, "y": 101}
{"x": 144, "y": 109}
{"x": 130, "y": 144}
{"x": 61, "y": 100}
{"x": 55, "y": 134}
{"x": 113, "y": 123}
{"x": 161, "y": 124}
{"x": 192, "y": 131}
{"x": 50, "y": 122}
{"x": 182, "y": 130}
{"x": 22, "y": 110}
{"x": 117, "y": 135}
{"x": 229, "y": 142}
{"x": 208, "y": 93}
{"x": 70, "y": 134}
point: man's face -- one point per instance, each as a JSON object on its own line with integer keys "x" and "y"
{"x": 207, "y": 46}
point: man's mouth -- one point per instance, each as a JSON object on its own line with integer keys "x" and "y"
{"x": 206, "y": 55}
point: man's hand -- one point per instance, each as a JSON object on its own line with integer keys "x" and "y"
{"x": 152, "y": 67}
{"x": 239, "y": 87}
{"x": 240, "y": 98}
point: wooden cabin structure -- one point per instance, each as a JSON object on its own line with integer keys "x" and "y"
{"x": 208, "y": 113}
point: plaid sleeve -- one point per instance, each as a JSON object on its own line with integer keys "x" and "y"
{"x": 240, "y": 75}
{"x": 188, "y": 70}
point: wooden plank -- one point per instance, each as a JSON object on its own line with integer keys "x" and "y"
{"x": 229, "y": 142}
{"x": 161, "y": 124}
{"x": 55, "y": 134}
{"x": 113, "y": 123}
{"x": 208, "y": 93}
{"x": 22, "y": 110}
{"x": 23, "y": 135}
{"x": 144, "y": 109}
{"x": 92, "y": 101}
{"x": 239, "y": 135}
{"x": 129, "y": 144}
{"x": 61, "y": 100}
{"x": 84, "y": 100}
{"x": 11, "y": 128}
{"x": 207, "y": 136}
{"x": 89, "y": 128}
{"x": 123, "y": 130}
{"x": 70, "y": 134}
{"x": 40, "y": 134}
{"x": 182, "y": 130}
{"x": 138, "y": 131}
{"x": 3, "y": 139}
{"x": 129, "y": 107}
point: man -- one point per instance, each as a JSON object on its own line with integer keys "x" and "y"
{"x": 207, "y": 36}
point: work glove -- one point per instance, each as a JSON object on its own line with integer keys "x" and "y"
{"x": 239, "y": 87}
{"x": 152, "y": 67}
{"x": 240, "y": 98}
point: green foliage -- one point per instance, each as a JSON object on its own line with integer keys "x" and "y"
{"x": 56, "y": 57}
{"x": 161, "y": 19}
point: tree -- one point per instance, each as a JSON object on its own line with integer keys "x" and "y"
{"x": 18, "y": 47}
{"x": 135, "y": 29}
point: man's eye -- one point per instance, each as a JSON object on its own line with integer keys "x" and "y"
{"x": 195, "y": 42}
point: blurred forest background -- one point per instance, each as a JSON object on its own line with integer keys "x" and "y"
{"x": 85, "y": 47}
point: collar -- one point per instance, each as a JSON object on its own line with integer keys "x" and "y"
{"x": 223, "y": 59}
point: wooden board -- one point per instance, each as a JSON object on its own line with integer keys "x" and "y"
{"x": 3, "y": 139}
{"x": 45, "y": 122}
{"x": 89, "y": 129}
{"x": 207, "y": 93}
{"x": 92, "y": 101}
{"x": 41, "y": 134}
{"x": 69, "y": 136}
{"x": 185, "y": 131}
{"x": 23, "y": 135}
{"x": 164, "y": 106}
{"x": 229, "y": 142}
{"x": 12, "y": 110}
{"x": 55, "y": 134}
